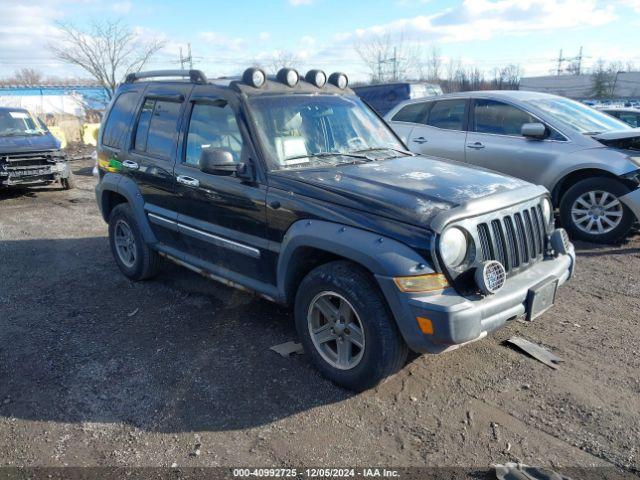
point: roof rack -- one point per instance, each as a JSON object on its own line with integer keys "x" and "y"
{"x": 196, "y": 76}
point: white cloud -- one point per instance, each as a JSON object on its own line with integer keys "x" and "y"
{"x": 264, "y": 36}
{"x": 122, "y": 8}
{"x": 297, "y": 3}
{"x": 216, "y": 40}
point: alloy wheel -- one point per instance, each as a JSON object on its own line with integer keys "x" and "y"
{"x": 596, "y": 212}
{"x": 125, "y": 243}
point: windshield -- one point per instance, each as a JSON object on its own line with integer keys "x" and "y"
{"x": 302, "y": 131}
{"x": 18, "y": 122}
{"x": 580, "y": 117}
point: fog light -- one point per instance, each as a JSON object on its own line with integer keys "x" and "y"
{"x": 490, "y": 277}
{"x": 421, "y": 283}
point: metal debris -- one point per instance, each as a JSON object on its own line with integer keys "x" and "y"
{"x": 536, "y": 351}
{"x": 287, "y": 348}
{"x": 520, "y": 471}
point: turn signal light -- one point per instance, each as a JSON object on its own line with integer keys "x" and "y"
{"x": 425, "y": 325}
{"x": 421, "y": 283}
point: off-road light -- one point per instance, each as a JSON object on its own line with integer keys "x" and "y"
{"x": 316, "y": 77}
{"x": 453, "y": 247}
{"x": 421, "y": 283}
{"x": 338, "y": 79}
{"x": 547, "y": 211}
{"x": 288, "y": 76}
{"x": 254, "y": 77}
{"x": 490, "y": 277}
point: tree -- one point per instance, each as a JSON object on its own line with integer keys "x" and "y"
{"x": 604, "y": 78}
{"x": 107, "y": 50}
{"x": 27, "y": 76}
{"x": 388, "y": 58}
{"x": 284, "y": 59}
{"x": 430, "y": 68}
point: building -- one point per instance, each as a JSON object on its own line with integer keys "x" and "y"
{"x": 624, "y": 85}
{"x": 54, "y": 99}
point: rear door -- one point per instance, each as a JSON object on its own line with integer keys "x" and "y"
{"x": 404, "y": 120}
{"x": 443, "y": 133}
{"x": 151, "y": 158}
{"x": 494, "y": 141}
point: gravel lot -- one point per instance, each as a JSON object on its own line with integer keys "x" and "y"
{"x": 96, "y": 370}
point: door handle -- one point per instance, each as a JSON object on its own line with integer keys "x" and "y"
{"x": 130, "y": 165}
{"x": 475, "y": 145}
{"x": 189, "y": 181}
{"x": 420, "y": 140}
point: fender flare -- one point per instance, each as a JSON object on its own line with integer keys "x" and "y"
{"x": 112, "y": 182}
{"x": 382, "y": 256}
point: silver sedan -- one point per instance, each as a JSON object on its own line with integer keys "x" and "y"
{"x": 588, "y": 160}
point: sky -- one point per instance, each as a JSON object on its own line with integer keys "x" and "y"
{"x": 227, "y": 36}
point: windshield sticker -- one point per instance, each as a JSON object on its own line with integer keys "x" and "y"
{"x": 22, "y": 115}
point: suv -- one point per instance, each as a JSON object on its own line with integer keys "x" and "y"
{"x": 589, "y": 161}
{"x": 29, "y": 153}
{"x": 297, "y": 191}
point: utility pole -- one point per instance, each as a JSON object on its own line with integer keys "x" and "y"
{"x": 579, "y": 62}
{"x": 188, "y": 59}
{"x": 560, "y": 60}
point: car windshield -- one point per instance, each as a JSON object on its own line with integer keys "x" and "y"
{"x": 303, "y": 131}
{"x": 18, "y": 122}
{"x": 580, "y": 117}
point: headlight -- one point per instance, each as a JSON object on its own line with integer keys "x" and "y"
{"x": 453, "y": 247}
{"x": 547, "y": 211}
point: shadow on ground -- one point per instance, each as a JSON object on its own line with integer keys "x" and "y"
{"x": 80, "y": 343}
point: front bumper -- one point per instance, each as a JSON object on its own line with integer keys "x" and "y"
{"x": 456, "y": 319}
{"x": 34, "y": 174}
{"x": 632, "y": 200}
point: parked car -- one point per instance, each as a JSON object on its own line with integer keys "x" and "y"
{"x": 294, "y": 189}
{"x": 588, "y": 160}
{"x": 384, "y": 96}
{"x": 29, "y": 154}
{"x": 628, "y": 115}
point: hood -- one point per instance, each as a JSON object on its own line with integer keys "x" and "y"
{"x": 28, "y": 143}
{"x": 409, "y": 189}
{"x": 623, "y": 139}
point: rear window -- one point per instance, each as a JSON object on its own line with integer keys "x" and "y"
{"x": 116, "y": 128}
{"x": 448, "y": 114}
{"x": 157, "y": 126}
{"x": 412, "y": 113}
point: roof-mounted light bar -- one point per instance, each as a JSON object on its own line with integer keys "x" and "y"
{"x": 339, "y": 80}
{"x": 316, "y": 77}
{"x": 288, "y": 76}
{"x": 254, "y": 77}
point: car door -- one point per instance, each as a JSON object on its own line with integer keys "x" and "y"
{"x": 495, "y": 141}
{"x": 443, "y": 131}
{"x": 406, "y": 118}
{"x": 222, "y": 217}
{"x": 152, "y": 155}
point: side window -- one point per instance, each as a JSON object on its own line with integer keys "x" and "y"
{"x": 499, "y": 118}
{"x": 117, "y": 125}
{"x": 157, "y": 127}
{"x": 630, "y": 118}
{"x": 213, "y": 126}
{"x": 448, "y": 114}
{"x": 412, "y": 113}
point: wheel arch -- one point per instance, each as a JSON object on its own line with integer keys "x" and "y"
{"x": 573, "y": 177}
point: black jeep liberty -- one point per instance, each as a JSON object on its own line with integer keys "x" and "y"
{"x": 294, "y": 189}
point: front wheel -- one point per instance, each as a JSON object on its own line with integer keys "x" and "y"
{"x": 591, "y": 210}
{"x": 346, "y": 328}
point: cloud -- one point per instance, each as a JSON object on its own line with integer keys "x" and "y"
{"x": 297, "y": 3}
{"x": 264, "y": 36}
{"x": 216, "y": 40}
{"x": 122, "y": 8}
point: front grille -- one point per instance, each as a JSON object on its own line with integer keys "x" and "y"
{"x": 30, "y": 159}
{"x": 515, "y": 240}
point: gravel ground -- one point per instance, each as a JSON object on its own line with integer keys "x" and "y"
{"x": 96, "y": 370}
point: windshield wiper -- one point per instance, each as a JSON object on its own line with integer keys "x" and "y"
{"x": 322, "y": 155}
{"x": 397, "y": 150}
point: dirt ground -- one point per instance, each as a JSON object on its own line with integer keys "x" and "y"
{"x": 96, "y": 370}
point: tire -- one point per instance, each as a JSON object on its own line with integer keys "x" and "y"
{"x": 69, "y": 182}
{"x": 141, "y": 262}
{"x": 581, "y": 221}
{"x": 383, "y": 351}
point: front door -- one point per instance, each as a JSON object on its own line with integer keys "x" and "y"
{"x": 443, "y": 134}
{"x": 222, "y": 217}
{"x": 494, "y": 141}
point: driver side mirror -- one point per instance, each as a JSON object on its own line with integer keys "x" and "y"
{"x": 217, "y": 161}
{"x": 534, "y": 130}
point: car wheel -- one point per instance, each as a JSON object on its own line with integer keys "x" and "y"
{"x": 591, "y": 210}
{"x": 134, "y": 257}
{"x": 346, "y": 328}
{"x": 68, "y": 182}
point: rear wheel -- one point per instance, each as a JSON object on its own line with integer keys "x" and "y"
{"x": 591, "y": 210}
{"x": 346, "y": 328}
{"x": 134, "y": 257}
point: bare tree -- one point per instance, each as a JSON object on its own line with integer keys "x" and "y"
{"x": 108, "y": 50}
{"x": 282, "y": 59}
{"x": 388, "y": 57}
{"x": 430, "y": 68}
{"x": 27, "y": 76}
